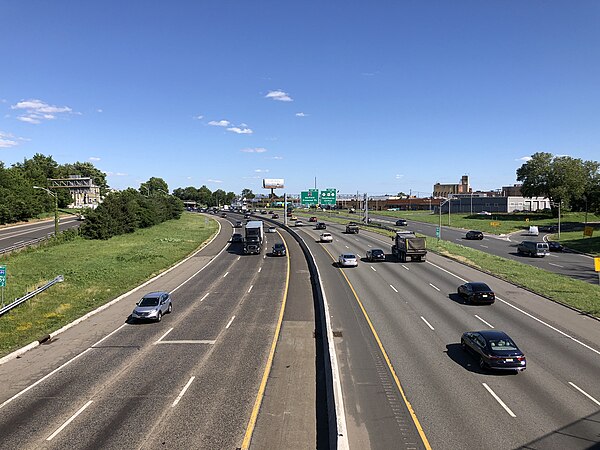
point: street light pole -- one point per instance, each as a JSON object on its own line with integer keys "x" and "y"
{"x": 55, "y": 207}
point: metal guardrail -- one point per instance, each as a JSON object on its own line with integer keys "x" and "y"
{"x": 26, "y": 244}
{"x": 17, "y": 302}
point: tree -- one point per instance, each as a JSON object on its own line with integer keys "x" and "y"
{"x": 218, "y": 197}
{"x": 154, "y": 186}
{"x": 86, "y": 169}
{"x": 204, "y": 196}
{"x": 562, "y": 179}
{"x": 247, "y": 194}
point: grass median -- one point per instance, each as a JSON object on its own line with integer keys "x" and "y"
{"x": 95, "y": 272}
{"x": 562, "y": 289}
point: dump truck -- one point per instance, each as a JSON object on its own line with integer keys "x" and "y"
{"x": 253, "y": 237}
{"x": 352, "y": 228}
{"x": 408, "y": 245}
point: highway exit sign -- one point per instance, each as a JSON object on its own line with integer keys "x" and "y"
{"x": 310, "y": 197}
{"x": 2, "y": 276}
{"x": 329, "y": 197}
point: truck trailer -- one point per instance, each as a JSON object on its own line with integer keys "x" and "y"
{"x": 253, "y": 237}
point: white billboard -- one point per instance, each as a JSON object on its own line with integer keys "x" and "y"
{"x": 273, "y": 183}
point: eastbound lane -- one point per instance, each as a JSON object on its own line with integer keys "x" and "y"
{"x": 189, "y": 381}
{"x": 420, "y": 320}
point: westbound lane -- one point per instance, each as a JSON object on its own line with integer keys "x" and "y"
{"x": 21, "y": 234}
{"x": 446, "y": 388}
{"x": 188, "y": 381}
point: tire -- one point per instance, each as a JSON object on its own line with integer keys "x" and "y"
{"x": 159, "y": 316}
{"x": 170, "y": 309}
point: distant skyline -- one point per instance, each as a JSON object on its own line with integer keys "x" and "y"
{"x": 377, "y": 97}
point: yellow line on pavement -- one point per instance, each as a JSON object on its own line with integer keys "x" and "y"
{"x": 261, "y": 390}
{"x": 387, "y": 360}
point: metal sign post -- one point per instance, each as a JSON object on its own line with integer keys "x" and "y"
{"x": 2, "y": 281}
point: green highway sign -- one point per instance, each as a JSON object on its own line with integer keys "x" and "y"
{"x": 310, "y": 197}
{"x": 329, "y": 197}
{"x": 2, "y": 276}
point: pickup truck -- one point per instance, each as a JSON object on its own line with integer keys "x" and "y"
{"x": 352, "y": 228}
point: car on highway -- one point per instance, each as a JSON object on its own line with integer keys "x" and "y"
{"x": 293, "y": 217}
{"x": 275, "y": 216}
{"x": 347, "y": 260}
{"x": 554, "y": 246}
{"x": 494, "y": 349}
{"x": 326, "y": 237}
{"x": 246, "y": 216}
{"x": 484, "y": 213}
{"x": 278, "y": 249}
{"x": 238, "y": 224}
{"x": 375, "y": 254}
{"x": 299, "y": 223}
{"x": 476, "y": 292}
{"x": 321, "y": 226}
{"x": 272, "y": 230}
{"x": 237, "y": 237}
{"x": 401, "y": 223}
{"x": 533, "y": 248}
{"x": 223, "y": 215}
{"x": 152, "y": 306}
{"x": 312, "y": 219}
{"x": 474, "y": 235}
{"x": 271, "y": 212}
{"x": 263, "y": 211}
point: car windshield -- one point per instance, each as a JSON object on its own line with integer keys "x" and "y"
{"x": 348, "y": 256}
{"x": 502, "y": 344}
{"x": 480, "y": 287}
{"x": 326, "y": 235}
{"x": 279, "y": 246}
{"x": 149, "y": 301}
{"x": 377, "y": 252}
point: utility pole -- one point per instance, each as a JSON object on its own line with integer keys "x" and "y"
{"x": 55, "y": 195}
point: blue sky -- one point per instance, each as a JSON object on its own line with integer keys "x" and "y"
{"x": 379, "y": 97}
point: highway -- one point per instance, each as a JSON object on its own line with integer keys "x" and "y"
{"x": 415, "y": 313}
{"x": 22, "y": 234}
{"x": 574, "y": 265}
{"x": 189, "y": 381}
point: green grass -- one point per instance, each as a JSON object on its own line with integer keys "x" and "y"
{"x": 577, "y": 241}
{"x": 577, "y": 294}
{"x": 95, "y": 272}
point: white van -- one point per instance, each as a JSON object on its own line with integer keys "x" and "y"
{"x": 533, "y": 231}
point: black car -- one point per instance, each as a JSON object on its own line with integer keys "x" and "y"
{"x": 401, "y": 223}
{"x": 495, "y": 350}
{"x": 375, "y": 254}
{"x": 474, "y": 235}
{"x": 275, "y": 216}
{"x": 237, "y": 237}
{"x": 555, "y": 246}
{"x": 320, "y": 226}
{"x": 278, "y": 249}
{"x": 477, "y": 293}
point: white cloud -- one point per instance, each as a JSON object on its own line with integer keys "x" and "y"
{"x": 7, "y": 140}
{"x": 252, "y": 178}
{"x": 276, "y": 157}
{"x": 524, "y": 158}
{"x": 37, "y": 110}
{"x": 94, "y": 158}
{"x": 198, "y": 117}
{"x": 238, "y": 130}
{"x": 99, "y": 110}
{"x": 398, "y": 176}
{"x": 301, "y": 114}
{"x": 254, "y": 150}
{"x": 279, "y": 96}
{"x": 220, "y": 123}
{"x": 261, "y": 170}
{"x": 188, "y": 178}
{"x": 116, "y": 174}
{"x": 28, "y": 119}
{"x": 210, "y": 180}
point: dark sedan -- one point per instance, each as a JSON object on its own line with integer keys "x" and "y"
{"x": 278, "y": 249}
{"x": 555, "y": 246}
{"x": 401, "y": 223}
{"x": 375, "y": 255}
{"x": 474, "y": 235}
{"x": 477, "y": 293}
{"x": 495, "y": 350}
{"x": 321, "y": 226}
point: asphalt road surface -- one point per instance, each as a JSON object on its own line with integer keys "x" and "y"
{"x": 189, "y": 381}
{"x": 419, "y": 319}
{"x": 22, "y": 234}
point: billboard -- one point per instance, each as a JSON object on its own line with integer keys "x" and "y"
{"x": 272, "y": 183}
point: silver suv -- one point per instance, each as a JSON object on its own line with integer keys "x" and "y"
{"x": 152, "y": 306}
{"x": 533, "y": 248}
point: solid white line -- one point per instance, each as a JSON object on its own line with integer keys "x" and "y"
{"x": 259, "y": 269}
{"x": 435, "y": 287}
{"x": 62, "y": 427}
{"x": 395, "y": 290}
{"x": 499, "y": 400}
{"x": 110, "y": 334}
{"x": 585, "y": 393}
{"x": 185, "y": 388}
{"x": 556, "y": 265}
{"x": 428, "y": 324}
{"x": 6, "y": 402}
{"x": 163, "y": 336}
{"x": 489, "y": 325}
{"x": 405, "y": 267}
{"x": 251, "y": 286}
{"x": 229, "y": 324}
{"x": 373, "y": 268}
{"x": 226, "y": 273}
{"x": 205, "y": 295}
{"x": 187, "y": 341}
{"x": 549, "y": 326}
